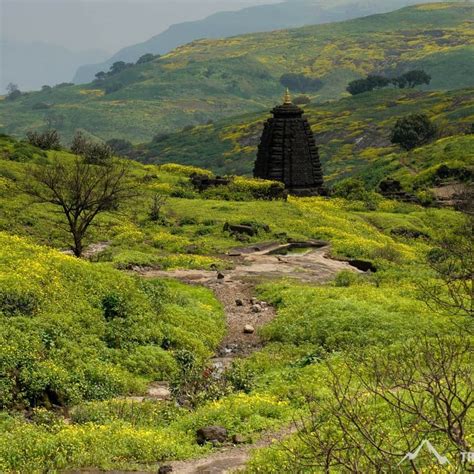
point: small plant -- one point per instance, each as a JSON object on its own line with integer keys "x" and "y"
{"x": 345, "y": 278}
{"x": 114, "y": 306}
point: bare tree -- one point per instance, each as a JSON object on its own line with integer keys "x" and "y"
{"x": 382, "y": 406}
{"x": 452, "y": 263}
{"x": 81, "y": 192}
{"x": 159, "y": 200}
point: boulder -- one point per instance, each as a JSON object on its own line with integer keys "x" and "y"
{"x": 165, "y": 469}
{"x": 239, "y": 302}
{"x": 211, "y": 434}
{"x": 256, "y": 308}
{"x": 249, "y": 329}
{"x": 159, "y": 391}
{"x": 240, "y": 229}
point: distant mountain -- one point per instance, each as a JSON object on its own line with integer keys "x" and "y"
{"x": 289, "y": 14}
{"x": 209, "y": 80}
{"x": 31, "y": 65}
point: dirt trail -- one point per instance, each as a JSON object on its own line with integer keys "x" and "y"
{"x": 235, "y": 289}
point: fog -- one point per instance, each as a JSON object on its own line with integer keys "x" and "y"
{"x": 105, "y": 25}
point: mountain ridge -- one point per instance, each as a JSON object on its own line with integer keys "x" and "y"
{"x": 259, "y": 18}
{"x": 213, "y": 79}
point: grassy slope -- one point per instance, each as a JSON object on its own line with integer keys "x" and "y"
{"x": 213, "y": 79}
{"x": 353, "y": 136}
{"x": 373, "y": 311}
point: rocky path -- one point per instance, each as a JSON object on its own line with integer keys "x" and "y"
{"x": 235, "y": 289}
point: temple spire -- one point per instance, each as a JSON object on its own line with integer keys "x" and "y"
{"x": 287, "y": 97}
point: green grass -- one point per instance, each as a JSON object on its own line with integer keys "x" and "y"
{"x": 84, "y": 334}
{"x": 214, "y": 79}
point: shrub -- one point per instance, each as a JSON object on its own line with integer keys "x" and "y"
{"x": 114, "y": 306}
{"x": 14, "y": 302}
{"x": 146, "y": 58}
{"x": 94, "y": 152}
{"x": 345, "y": 278}
{"x": 48, "y": 140}
{"x": 413, "y": 130}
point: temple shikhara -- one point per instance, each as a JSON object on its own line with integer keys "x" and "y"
{"x": 288, "y": 152}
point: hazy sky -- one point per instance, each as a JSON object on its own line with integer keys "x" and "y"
{"x": 102, "y": 24}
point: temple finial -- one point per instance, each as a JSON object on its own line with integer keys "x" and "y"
{"x": 287, "y": 97}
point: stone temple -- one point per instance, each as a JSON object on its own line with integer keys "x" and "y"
{"x": 288, "y": 152}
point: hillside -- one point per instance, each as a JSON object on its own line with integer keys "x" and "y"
{"x": 353, "y": 136}
{"x": 211, "y": 79}
{"x": 248, "y": 20}
{"x": 83, "y": 342}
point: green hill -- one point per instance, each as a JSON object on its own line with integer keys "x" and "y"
{"x": 212, "y": 79}
{"x": 80, "y": 341}
{"x": 353, "y": 136}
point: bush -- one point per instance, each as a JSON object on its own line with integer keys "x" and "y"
{"x": 146, "y": 58}
{"x": 94, "y": 153}
{"x": 365, "y": 85}
{"x": 14, "y": 303}
{"x": 48, "y": 140}
{"x": 300, "y": 82}
{"x": 413, "y": 130}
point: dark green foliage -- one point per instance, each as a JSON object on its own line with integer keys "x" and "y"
{"x": 114, "y": 306}
{"x": 412, "y": 78}
{"x": 100, "y": 76}
{"x": 146, "y": 58}
{"x": 366, "y": 85}
{"x": 301, "y": 82}
{"x": 13, "y": 92}
{"x": 13, "y": 303}
{"x": 413, "y": 130}
{"x": 48, "y": 140}
{"x": 46, "y": 88}
{"x": 118, "y": 67}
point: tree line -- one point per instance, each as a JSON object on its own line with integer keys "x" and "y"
{"x": 408, "y": 80}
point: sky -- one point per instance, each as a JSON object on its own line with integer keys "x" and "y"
{"x": 102, "y": 24}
